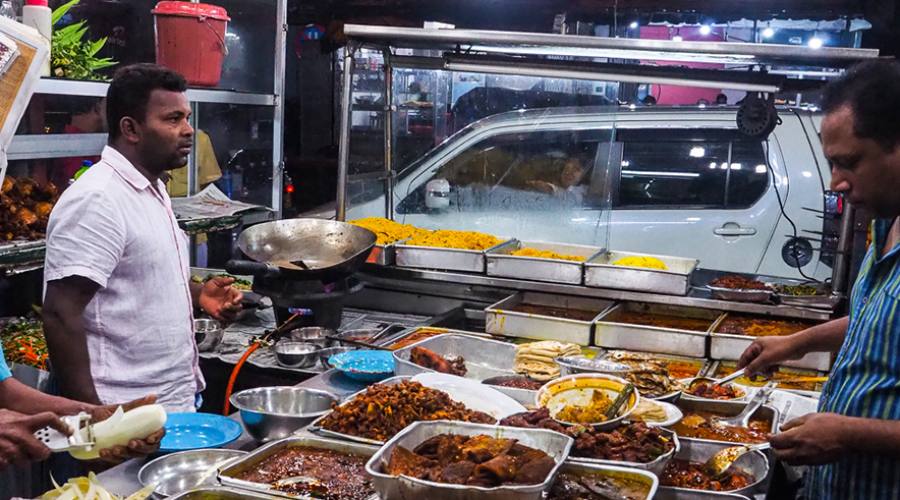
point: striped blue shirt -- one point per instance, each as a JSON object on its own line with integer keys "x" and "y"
{"x": 865, "y": 379}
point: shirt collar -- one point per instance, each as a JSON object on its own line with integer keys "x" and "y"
{"x": 124, "y": 168}
{"x": 880, "y": 230}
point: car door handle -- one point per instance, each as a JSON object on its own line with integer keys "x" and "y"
{"x": 734, "y": 230}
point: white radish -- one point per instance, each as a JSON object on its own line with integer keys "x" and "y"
{"x": 121, "y": 428}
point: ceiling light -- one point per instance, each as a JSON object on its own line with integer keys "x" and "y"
{"x": 768, "y": 33}
{"x": 815, "y": 43}
{"x": 677, "y": 38}
{"x": 705, "y": 30}
{"x": 633, "y": 25}
{"x": 697, "y": 152}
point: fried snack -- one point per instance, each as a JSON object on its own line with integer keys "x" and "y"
{"x": 736, "y": 282}
{"x": 648, "y": 411}
{"x": 384, "y": 410}
{"x": 429, "y": 359}
{"x": 537, "y": 360}
{"x": 546, "y": 254}
{"x": 641, "y": 261}
{"x": 463, "y": 240}
{"x": 386, "y": 230}
{"x": 25, "y": 208}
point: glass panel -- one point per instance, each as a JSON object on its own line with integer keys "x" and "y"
{"x": 749, "y": 175}
{"x": 659, "y": 170}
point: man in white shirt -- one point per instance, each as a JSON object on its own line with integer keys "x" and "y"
{"x": 118, "y": 306}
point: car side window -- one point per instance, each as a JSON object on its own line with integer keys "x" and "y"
{"x": 749, "y": 175}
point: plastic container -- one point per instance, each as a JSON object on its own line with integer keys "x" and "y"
{"x": 190, "y": 39}
{"x": 37, "y": 14}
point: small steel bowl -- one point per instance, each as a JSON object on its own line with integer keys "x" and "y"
{"x": 208, "y": 333}
{"x": 328, "y": 352}
{"x": 313, "y": 335}
{"x": 179, "y": 472}
{"x": 275, "y": 412}
{"x": 296, "y": 354}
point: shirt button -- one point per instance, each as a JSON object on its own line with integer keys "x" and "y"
{"x": 865, "y": 300}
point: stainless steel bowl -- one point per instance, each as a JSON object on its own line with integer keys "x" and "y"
{"x": 296, "y": 354}
{"x": 328, "y": 352}
{"x": 313, "y": 335}
{"x": 208, "y": 333}
{"x": 275, "y": 412}
{"x": 179, "y": 472}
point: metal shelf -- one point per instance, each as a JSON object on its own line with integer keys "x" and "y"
{"x": 98, "y": 89}
{"x": 39, "y": 146}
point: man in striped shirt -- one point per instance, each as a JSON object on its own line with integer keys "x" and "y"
{"x": 854, "y": 439}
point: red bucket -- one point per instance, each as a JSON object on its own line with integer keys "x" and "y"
{"x": 190, "y": 39}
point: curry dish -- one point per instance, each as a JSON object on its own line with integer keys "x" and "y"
{"x": 658, "y": 320}
{"x": 597, "y": 486}
{"x": 474, "y": 461}
{"x": 715, "y": 391}
{"x": 384, "y": 410}
{"x": 684, "y": 474}
{"x": 593, "y": 412}
{"x": 783, "y": 376}
{"x": 333, "y": 475}
{"x": 698, "y": 424}
{"x": 555, "y": 312}
{"x": 755, "y": 326}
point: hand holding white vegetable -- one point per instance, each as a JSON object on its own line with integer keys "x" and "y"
{"x": 133, "y": 432}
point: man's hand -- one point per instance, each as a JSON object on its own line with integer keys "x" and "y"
{"x": 219, "y": 299}
{"x": 17, "y": 442}
{"x": 766, "y": 352}
{"x": 136, "y": 448}
{"x": 814, "y": 439}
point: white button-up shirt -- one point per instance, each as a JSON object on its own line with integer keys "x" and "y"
{"x": 116, "y": 229}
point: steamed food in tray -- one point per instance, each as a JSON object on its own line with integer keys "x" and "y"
{"x": 756, "y": 326}
{"x": 427, "y": 358}
{"x": 386, "y": 230}
{"x": 684, "y": 474}
{"x": 537, "y": 360}
{"x": 546, "y": 254}
{"x": 318, "y": 473}
{"x": 461, "y": 240}
{"x": 634, "y": 442}
{"x": 479, "y": 460}
{"x": 555, "y": 312}
{"x": 701, "y": 425}
{"x": 641, "y": 261}
{"x": 658, "y": 320}
{"x": 597, "y": 486}
{"x": 384, "y": 410}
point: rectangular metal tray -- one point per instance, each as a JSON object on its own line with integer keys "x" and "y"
{"x": 702, "y": 364}
{"x": 485, "y": 358}
{"x": 502, "y": 320}
{"x": 220, "y": 493}
{"x": 501, "y": 263}
{"x": 730, "y": 347}
{"x": 382, "y": 255}
{"x": 655, "y": 467}
{"x": 601, "y": 273}
{"x": 666, "y": 493}
{"x": 727, "y": 408}
{"x": 445, "y": 259}
{"x": 637, "y": 475}
{"x": 615, "y": 335}
{"x": 252, "y": 459}
{"x": 798, "y": 372}
{"x": 754, "y": 463}
{"x": 389, "y": 487}
{"x": 316, "y": 425}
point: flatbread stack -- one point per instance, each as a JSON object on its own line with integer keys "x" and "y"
{"x": 537, "y": 359}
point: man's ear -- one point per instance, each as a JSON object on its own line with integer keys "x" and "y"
{"x": 130, "y": 128}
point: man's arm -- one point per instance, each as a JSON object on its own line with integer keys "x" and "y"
{"x": 18, "y": 397}
{"x": 827, "y": 337}
{"x": 64, "y": 306}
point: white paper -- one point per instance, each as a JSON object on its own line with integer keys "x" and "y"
{"x": 474, "y": 395}
{"x": 211, "y": 203}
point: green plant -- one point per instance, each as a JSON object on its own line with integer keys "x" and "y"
{"x": 71, "y": 56}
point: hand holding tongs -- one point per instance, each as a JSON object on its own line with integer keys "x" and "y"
{"x": 82, "y": 434}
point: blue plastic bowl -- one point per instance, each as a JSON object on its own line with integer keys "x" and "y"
{"x": 191, "y": 431}
{"x": 365, "y": 366}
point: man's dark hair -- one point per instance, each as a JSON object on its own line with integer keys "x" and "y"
{"x": 872, "y": 91}
{"x": 130, "y": 91}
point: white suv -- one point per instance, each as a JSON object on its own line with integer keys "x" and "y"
{"x": 673, "y": 181}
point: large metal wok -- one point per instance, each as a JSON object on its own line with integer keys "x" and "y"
{"x": 303, "y": 249}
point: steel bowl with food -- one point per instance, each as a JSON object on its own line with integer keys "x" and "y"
{"x": 703, "y": 388}
{"x": 588, "y": 399}
{"x": 291, "y": 354}
{"x": 179, "y": 472}
{"x": 313, "y": 335}
{"x": 275, "y": 412}
{"x": 208, "y": 333}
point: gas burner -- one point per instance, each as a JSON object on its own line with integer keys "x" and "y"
{"x": 318, "y": 304}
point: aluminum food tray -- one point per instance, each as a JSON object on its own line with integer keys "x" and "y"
{"x": 501, "y": 263}
{"x": 666, "y": 493}
{"x": 799, "y": 372}
{"x": 827, "y": 302}
{"x": 446, "y": 259}
{"x": 740, "y": 295}
{"x": 252, "y": 459}
{"x": 601, "y": 273}
{"x": 729, "y": 346}
{"x": 382, "y": 255}
{"x": 485, "y": 358}
{"x": 726, "y": 408}
{"x": 641, "y": 476}
{"x": 316, "y": 425}
{"x": 701, "y": 363}
{"x": 655, "y": 467}
{"x": 611, "y": 334}
{"x": 502, "y": 320}
{"x": 390, "y": 487}
{"x": 755, "y": 463}
{"x": 220, "y": 493}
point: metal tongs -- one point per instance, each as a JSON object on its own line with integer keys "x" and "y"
{"x": 743, "y": 418}
{"x": 82, "y": 434}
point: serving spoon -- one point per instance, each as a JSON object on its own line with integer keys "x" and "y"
{"x": 721, "y": 381}
{"x": 742, "y": 419}
{"x": 718, "y": 464}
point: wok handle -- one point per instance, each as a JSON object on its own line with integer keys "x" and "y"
{"x": 248, "y": 267}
